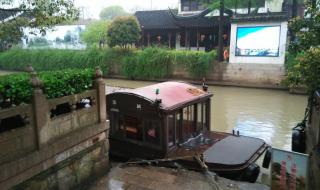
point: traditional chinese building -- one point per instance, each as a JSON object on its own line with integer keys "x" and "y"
{"x": 166, "y": 28}
{"x": 193, "y": 27}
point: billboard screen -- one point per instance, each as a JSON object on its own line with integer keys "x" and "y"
{"x": 261, "y": 41}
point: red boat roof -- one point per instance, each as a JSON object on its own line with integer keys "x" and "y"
{"x": 172, "y": 94}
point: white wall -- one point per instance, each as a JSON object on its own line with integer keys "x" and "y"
{"x": 274, "y": 5}
{"x": 262, "y": 60}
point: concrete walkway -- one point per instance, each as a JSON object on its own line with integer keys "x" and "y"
{"x": 157, "y": 178}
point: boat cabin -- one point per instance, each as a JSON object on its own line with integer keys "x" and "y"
{"x": 172, "y": 120}
{"x": 155, "y": 119}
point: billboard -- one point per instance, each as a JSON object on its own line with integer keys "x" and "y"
{"x": 260, "y": 41}
{"x": 289, "y": 170}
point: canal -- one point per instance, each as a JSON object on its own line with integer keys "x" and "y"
{"x": 266, "y": 114}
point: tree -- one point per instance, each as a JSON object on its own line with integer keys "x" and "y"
{"x": 123, "y": 31}
{"x": 112, "y": 12}
{"x": 95, "y": 33}
{"x": 33, "y": 14}
{"x": 306, "y": 48}
{"x": 307, "y": 30}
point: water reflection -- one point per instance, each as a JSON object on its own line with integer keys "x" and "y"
{"x": 266, "y": 114}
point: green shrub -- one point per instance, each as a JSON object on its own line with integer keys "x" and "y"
{"x": 16, "y": 88}
{"x": 197, "y": 63}
{"x": 306, "y": 71}
{"x": 148, "y": 64}
{"x": 154, "y": 63}
{"x": 53, "y": 59}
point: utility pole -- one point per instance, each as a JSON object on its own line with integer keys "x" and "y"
{"x": 220, "y": 40}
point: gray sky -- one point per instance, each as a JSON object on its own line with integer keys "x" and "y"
{"x": 92, "y": 8}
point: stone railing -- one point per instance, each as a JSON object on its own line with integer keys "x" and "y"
{"x": 20, "y": 141}
{"x": 51, "y": 130}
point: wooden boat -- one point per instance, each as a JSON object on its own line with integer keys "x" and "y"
{"x": 172, "y": 120}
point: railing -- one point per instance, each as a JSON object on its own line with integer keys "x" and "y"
{"x": 27, "y": 128}
{"x": 20, "y": 139}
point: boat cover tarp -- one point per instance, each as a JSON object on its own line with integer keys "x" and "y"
{"x": 233, "y": 150}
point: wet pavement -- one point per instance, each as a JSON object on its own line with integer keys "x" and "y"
{"x": 158, "y": 178}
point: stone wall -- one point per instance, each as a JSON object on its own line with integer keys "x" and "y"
{"x": 313, "y": 143}
{"x": 251, "y": 74}
{"x": 76, "y": 172}
{"x": 42, "y": 153}
{"x": 271, "y": 74}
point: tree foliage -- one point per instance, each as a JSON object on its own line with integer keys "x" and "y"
{"x": 95, "y": 32}
{"x": 112, "y": 12}
{"x": 123, "y": 31}
{"x": 306, "y": 30}
{"x": 306, "y": 48}
{"x": 34, "y": 14}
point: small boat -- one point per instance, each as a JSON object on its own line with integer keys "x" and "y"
{"x": 172, "y": 120}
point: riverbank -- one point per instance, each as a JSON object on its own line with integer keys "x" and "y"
{"x": 151, "y": 63}
{"x": 158, "y": 178}
{"x": 209, "y": 82}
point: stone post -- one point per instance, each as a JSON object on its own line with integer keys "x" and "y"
{"x": 100, "y": 86}
{"x": 40, "y": 108}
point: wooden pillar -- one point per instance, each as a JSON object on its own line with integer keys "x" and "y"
{"x": 186, "y": 39}
{"x": 189, "y": 42}
{"x": 221, "y": 24}
{"x": 169, "y": 39}
{"x": 142, "y": 39}
{"x": 148, "y": 36}
{"x": 198, "y": 40}
{"x": 178, "y": 40}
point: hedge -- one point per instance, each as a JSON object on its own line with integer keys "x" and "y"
{"x": 16, "y": 88}
{"x": 54, "y": 59}
{"x": 150, "y": 63}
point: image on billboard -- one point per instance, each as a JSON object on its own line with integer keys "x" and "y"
{"x": 258, "y": 41}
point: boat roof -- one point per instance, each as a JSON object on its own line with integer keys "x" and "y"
{"x": 172, "y": 94}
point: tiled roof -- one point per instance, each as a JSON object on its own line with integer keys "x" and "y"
{"x": 159, "y": 19}
{"x": 7, "y": 13}
{"x": 260, "y": 17}
{"x": 166, "y": 19}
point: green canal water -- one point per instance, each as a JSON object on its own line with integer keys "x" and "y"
{"x": 266, "y": 114}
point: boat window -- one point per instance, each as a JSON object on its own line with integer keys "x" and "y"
{"x": 133, "y": 128}
{"x": 114, "y": 122}
{"x": 188, "y": 127}
{"x": 171, "y": 129}
{"x": 152, "y": 132}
